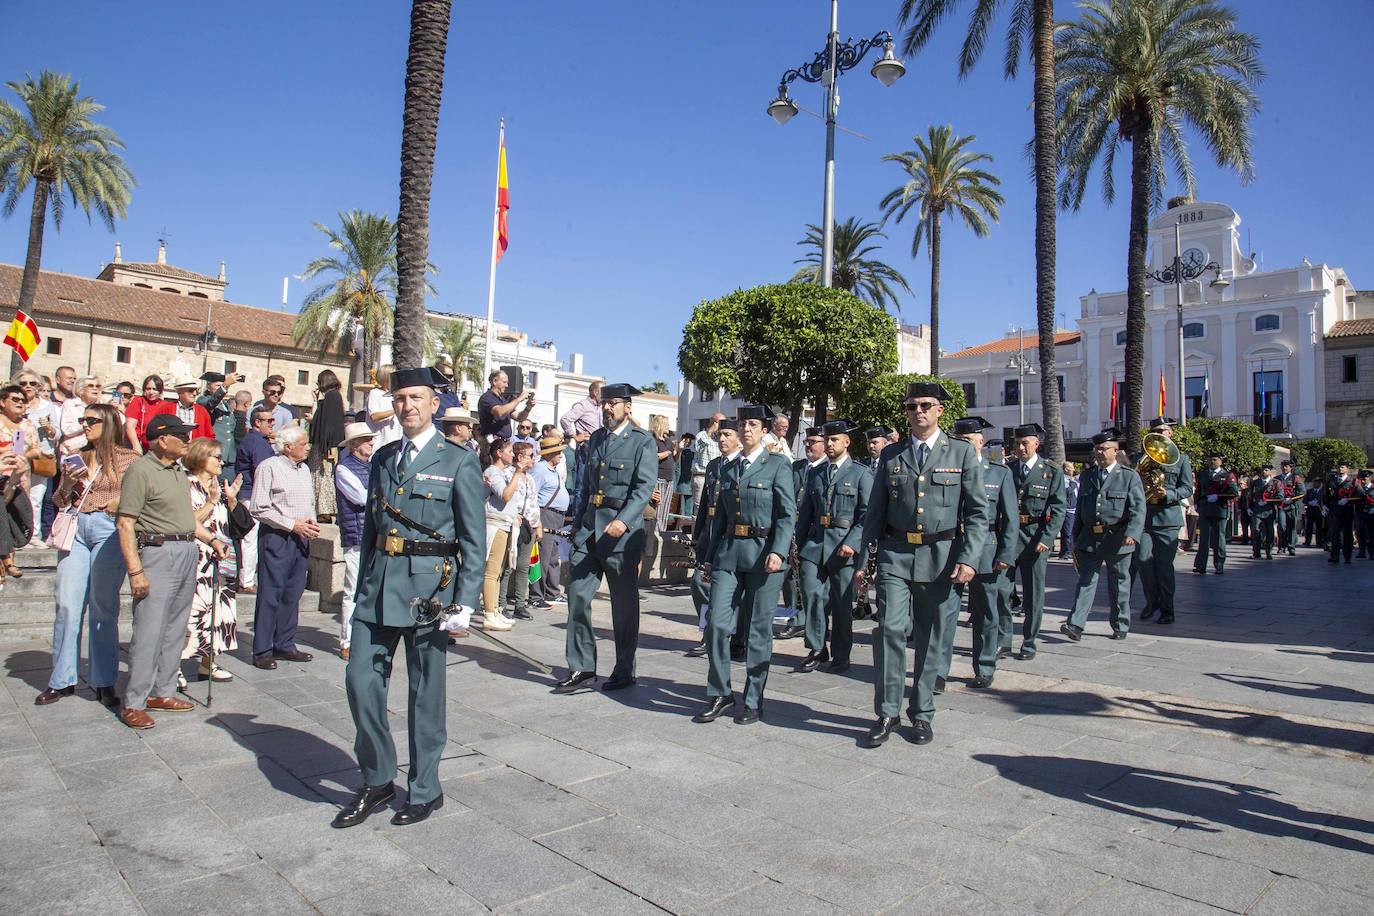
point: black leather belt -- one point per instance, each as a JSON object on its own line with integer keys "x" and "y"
{"x": 748, "y": 531}
{"x": 830, "y": 521}
{"x": 148, "y": 539}
{"x": 921, "y": 537}
{"x": 601, "y": 500}
{"x": 394, "y": 546}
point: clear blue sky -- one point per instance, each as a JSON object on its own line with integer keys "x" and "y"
{"x": 645, "y": 175}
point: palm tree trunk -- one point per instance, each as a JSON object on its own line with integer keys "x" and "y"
{"x": 429, "y": 20}
{"x": 1135, "y": 286}
{"x": 1046, "y": 172}
{"x": 33, "y": 260}
{"x": 935, "y": 293}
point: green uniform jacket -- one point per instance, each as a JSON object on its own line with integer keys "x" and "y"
{"x": 1178, "y": 486}
{"x": 1118, "y": 507}
{"x": 1295, "y": 487}
{"x": 1259, "y": 506}
{"x": 706, "y": 512}
{"x": 442, "y": 489}
{"x": 620, "y": 470}
{"x": 946, "y": 494}
{"x": 844, "y": 504}
{"x": 1000, "y": 545}
{"x": 1041, "y": 505}
{"x": 1219, "y": 483}
{"x": 762, "y": 498}
{"x": 799, "y": 475}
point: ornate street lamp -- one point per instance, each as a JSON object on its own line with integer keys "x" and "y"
{"x": 1175, "y": 272}
{"x": 1023, "y": 367}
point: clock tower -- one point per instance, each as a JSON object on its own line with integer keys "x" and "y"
{"x": 1210, "y": 233}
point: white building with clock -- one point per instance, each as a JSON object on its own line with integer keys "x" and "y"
{"x": 1253, "y": 343}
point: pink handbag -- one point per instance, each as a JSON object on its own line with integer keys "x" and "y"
{"x": 63, "y": 531}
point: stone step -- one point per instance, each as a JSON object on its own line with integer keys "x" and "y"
{"x": 32, "y": 617}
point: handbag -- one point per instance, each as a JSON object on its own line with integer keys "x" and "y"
{"x": 43, "y": 466}
{"x": 63, "y": 532}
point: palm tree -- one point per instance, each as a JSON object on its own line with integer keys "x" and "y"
{"x": 943, "y": 179}
{"x": 55, "y": 143}
{"x": 460, "y": 343}
{"x": 1031, "y": 26}
{"x": 867, "y": 278}
{"x": 359, "y": 291}
{"x": 1135, "y": 71}
{"x": 419, "y": 136}
{"x": 659, "y": 387}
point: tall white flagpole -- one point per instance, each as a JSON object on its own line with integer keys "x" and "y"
{"x": 491, "y": 279}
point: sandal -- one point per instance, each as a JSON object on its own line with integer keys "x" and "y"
{"x": 12, "y": 569}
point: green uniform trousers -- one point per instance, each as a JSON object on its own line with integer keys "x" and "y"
{"x": 987, "y": 595}
{"x": 755, "y": 595}
{"x": 1211, "y": 536}
{"x": 1031, "y": 567}
{"x": 622, "y": 577}
{"x": 926, "y": 610}
{"x": 1287, "y": 524}
{"x": 372, "y": 652}
{"x": 1262, "y": 539}
{"x": 701, "y": 594}
{"x": 1154, "y": 558}
{"x": 828, "y": 596}
{"x": 1090, "y": 562}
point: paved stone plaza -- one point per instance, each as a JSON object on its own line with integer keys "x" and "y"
{"x": 1216, "y": 765}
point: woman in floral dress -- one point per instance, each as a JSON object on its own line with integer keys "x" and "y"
{"x": 212, "y": 504}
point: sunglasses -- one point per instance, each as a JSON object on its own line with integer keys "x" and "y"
{"x": 29, "y": 384}
{"x": 923, "y": 406}
{"x": 184, "y": 437}
{"x": 91, "y": 421}
{"x": 273, "y": 392}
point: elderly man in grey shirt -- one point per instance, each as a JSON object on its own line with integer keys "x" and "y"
{"x": 284, "y": 505}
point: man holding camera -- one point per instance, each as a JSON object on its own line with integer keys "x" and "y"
{"x": 494, "y": 409}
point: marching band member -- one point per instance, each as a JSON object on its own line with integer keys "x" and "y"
{"x": 1216, "y": 488}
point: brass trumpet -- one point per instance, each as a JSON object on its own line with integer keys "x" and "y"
{"x": 1160, "y": 454}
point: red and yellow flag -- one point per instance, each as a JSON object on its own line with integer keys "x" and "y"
{"x": 23, "y": 335}
{"x": 1162, "y": 399}
{"x": 502, "y": 200}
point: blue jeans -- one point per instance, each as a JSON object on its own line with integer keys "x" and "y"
{"x": 88, "y": 575}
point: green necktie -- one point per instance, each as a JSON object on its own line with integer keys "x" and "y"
{"x": 921, "y": 454}
{"x": 406, "y": 454}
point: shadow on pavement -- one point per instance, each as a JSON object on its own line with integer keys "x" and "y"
{"x": 294, "y": 752}
{"x": 1306, "y": 689}
{"x": 33, "y": 668}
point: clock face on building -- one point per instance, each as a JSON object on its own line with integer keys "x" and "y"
{"x": 1194, "y": 259}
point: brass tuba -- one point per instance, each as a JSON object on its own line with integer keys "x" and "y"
{"x": 1160, "y": 453}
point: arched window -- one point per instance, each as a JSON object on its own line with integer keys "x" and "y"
{"x": 142, "y": 286}
{"x": 1194, "y": 329}
{"x": 170, "y": 289}
{"x": 198, "y": 295}
{"x": 1121, "y": 338}
{"x": 1267, "y": 323}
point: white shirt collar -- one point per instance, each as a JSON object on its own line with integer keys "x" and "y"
{"x": 844, "y": 456}
{"x": 1031, "y": 461}
{"x": 730, "y": 457}
{"x": 420, "y": 441}
{"x": 620, "y": 430}
{"x": 930, "y": 443}
{"x": 1111, "y": 467}
{"x": 751, "y": 457}
{"x": 817, "y": 463}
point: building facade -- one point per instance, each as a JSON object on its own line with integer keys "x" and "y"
{"x": 1349, "y": 364}
{"x": 1001, "y": 379}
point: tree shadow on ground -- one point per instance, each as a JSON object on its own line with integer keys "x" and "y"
{"x": 496, "y": 660}
{"x": 1305, "y": 689}
{"x": 1200, "y": 804}
{"x": 32, "y": 667}
{"x": 1334, "y": 655}
{"x": 293, "y": 752}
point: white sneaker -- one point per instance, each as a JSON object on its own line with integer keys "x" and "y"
{"x": 496, "y": 622}
{"x": 219, "y": 674}
{"x": 181, "y": 681}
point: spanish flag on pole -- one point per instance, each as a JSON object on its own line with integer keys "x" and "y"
{"x": 23, "y": 335}
{"x": 502, "y": 198}
{"x": 1163, "y": 400}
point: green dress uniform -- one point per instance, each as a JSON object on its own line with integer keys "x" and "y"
{"x": 1265, "y": 495}
{"x": 831, "y": 516}
{"x": 424, "y": 536}
{"x": 927, "y": 513}
{"x": 1041, "y": 506}
{"x": 754, "y": 518}
{"x": 617, "y": 482}
{"x": 1111, "y": 508}
{"x": 1158, "y": 545}
{"x": 1288, "y": 511}
{"x": 792, "y": 596}
{"x": 990, "y": 588}
{"x": 1215, "y": 490}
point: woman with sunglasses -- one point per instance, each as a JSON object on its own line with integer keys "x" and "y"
{"x": 91, "y": 571}
{"x": 212, "y": 503}
{"x": 41, "y": 412}
{"x": 18, "y": 447}
{"x": 143, "y": 408}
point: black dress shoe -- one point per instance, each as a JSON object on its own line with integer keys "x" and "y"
{"x": 813, "y": 661}
{"x": 748, "y": 716}
{"x": 1074, "y": 633}
{"x": 838, "y": 667}
{"x": 737, "y": 653}
{"x": 1147, "y": 613}
{"x": 618, "y": 682}
{"x": 522, "y": 613}
{"x": 295, "y": 655}
{"x": 1003, "y": 653}
{"x": 791, "y": 631}
{"x": 714, "y": 707}
{"x": 107, "y": 696}
{"x": 921, "y": 732}
{"x": 1166, "y": 618}
{"x": 575, "y": 680}
{"x": 697, "y": 651}
{"x": 53, "y": 694}
{"x": 1027, "y": 654}
{"x": 367, "y": 800}
{"x": 413, "y": 813}
{"x": 981, "y": 682}
{"x": 881, "y": 730}
{"x": 939, "y": 684}
{"x": 265, "y": 662}
{"x": 1118, "y": 634}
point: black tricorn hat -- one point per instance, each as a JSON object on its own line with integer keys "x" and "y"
{"x": 813, "y": 431}
{"x": 836, "y": 428}
{"x": 423, "y": 376}
{"x": 622, "y": 390}
{"x": 1110, "y": 434}
{"x": 728, "y": 423}
{"x": 1028, "y": 429}
{"x": 212, "y": 376}
{"x": 965, "y": 425}
{"x": 745, "y": 412}
{"x": 1158, "y": 422}
{"x": 926, "y": 390}
{"x": 877, "y": 432}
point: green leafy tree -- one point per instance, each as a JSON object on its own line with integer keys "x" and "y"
{"x": 1031, "y": 27}
{"x": 656, "y": 388}
{"x": 52, "y": 141}
{"x": 943, "y": 179}
{"x": 460, "y": 344}
{"x": 1244, "y": 446}
{"x": 429, "y": 21}
{"x": 1136, "y": 72}
{"x": 786, "y": 344}
{"x": 877, "y": 401}
{"x": 867, "y": 277}
{"x": 1317, "y": 458}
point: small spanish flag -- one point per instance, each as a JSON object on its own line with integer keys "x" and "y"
{"x": 502, "y": 198}
{"x": 23, "y": 335}
{"x": 1163, "y": 399}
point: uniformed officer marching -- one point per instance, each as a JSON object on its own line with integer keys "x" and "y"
{"x": 1041, "y": 506}
{"x": 1216, "y": 487}
{"x": 1343, "y": 493}
{"x": 1265, "y": 497}
{"x": 830, "y": 522}
{"x": 424, "y": 537}
{"x": 793, "y": 598}
{"x": 727, "y": 437}
{"x": 988, "y": 590}
{"x": 1154, "y": 555}
{"x": 753, "y": 531}
{"x": 1109, "y": 522}
{"x": 1289, "y": 508}
{"x": 929, "y": 517}
{"x": 615, "y": 484}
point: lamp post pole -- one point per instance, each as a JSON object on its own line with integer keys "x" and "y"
{"x": 825, "y": 68}
{"x": 1176, "y": 272}
{"x": 1023, "y": 368}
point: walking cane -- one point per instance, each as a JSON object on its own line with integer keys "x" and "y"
{"x": 214, "y": 606}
